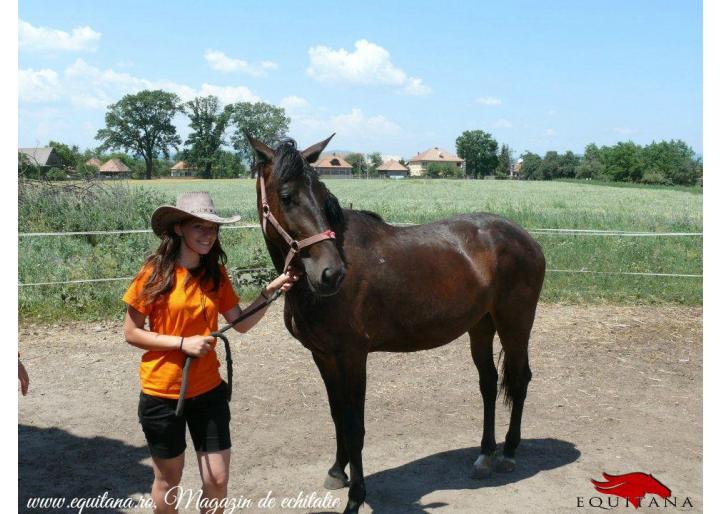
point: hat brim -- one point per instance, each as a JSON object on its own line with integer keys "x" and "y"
{"x": 166, "y": 216}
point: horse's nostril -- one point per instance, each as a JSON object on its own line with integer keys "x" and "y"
{"x": 332, "y": 277}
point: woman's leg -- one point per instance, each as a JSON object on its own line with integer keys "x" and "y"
{"x": 215, "y": 472}
{"x": 168, "y": 473}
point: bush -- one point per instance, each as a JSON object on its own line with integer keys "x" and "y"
{"x": 27, "y": 169}
{"x": 86, "y": 171}
{"x": 55, "y": 207}
{"x": 654, "y": 177}
{"x": 56, "y": 174}
{"x": 443, "y": 170}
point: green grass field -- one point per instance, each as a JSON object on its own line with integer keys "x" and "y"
{"x": 534, "y": 205}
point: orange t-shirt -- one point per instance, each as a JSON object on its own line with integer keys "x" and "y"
{"x": 189, "y": 310}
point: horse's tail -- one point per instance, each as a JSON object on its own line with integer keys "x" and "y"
{"x": 504, "y": 383}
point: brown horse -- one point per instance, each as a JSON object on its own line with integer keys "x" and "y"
{"x": 374, "y": 287}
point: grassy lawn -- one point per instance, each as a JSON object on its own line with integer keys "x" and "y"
{"x": 577, "y": 204}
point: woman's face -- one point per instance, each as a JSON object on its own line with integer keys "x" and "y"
{"x": 198, "y": 235}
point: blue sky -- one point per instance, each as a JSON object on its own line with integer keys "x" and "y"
{"x": 386, "y": 76}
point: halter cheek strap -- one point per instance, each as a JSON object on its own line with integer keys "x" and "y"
{"x": 295, "y": 246}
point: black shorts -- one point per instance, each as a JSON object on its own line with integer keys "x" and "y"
{"x": 207, "y": 416}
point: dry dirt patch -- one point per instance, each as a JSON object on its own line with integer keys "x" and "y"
{"x": 615, "y": 389}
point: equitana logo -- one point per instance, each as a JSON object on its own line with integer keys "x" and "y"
{"x": 632, "y": 489}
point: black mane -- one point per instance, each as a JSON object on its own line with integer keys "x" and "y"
{"x": 289, "y": 162}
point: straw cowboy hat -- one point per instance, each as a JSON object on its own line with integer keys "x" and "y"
{"x": 188, "y": 205}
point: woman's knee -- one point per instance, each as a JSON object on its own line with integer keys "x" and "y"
{"x": 215, "y": 468}
{"x": 168, "y": 472}
{"x": 216, "y": 479}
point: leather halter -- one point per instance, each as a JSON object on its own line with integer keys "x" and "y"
{"x": 295, "y": 246}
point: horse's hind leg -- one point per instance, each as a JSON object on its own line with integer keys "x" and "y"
{"x": 481, "y": 345}
{"x": 514, "y": 327}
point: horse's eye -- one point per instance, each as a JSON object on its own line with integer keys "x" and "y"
{"x": 286, "y": 199}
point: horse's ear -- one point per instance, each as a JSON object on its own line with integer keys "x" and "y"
{"x": 312, "y": 153}
{"x": 263, "y": 150}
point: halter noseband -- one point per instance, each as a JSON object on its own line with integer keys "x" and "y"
{"x": 295, "y": 246}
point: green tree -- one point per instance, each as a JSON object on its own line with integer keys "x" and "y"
{"x": 591, "y": 165}
{"x": 229, "y": 165}
{"x": 504, "y": 162}
{"x": 375, "y": 162}
{"x": 531, "y": 164}
{"x": 263, "y": 121}
{"x": 142, "y": 124}
{"x": 591, "y": 168}
{"x": 568, "y": 163}
{"x": 624, "y": 161}
{"x": 208, "y": 123}
{"x": 674, "y": 160}
{"x": 69, "y": 155}
{"x": 479, "y": 150}
{"x": 549, "y": 167}
{"x": 358, "y": 163}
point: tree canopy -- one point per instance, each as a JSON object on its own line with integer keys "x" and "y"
{"x": 479, "y": 150}
{"x": 142, "y": 124}
{"x": 264, "y": 121}
{"x": 208, "y": 123}
{"x": 358, "y": 163}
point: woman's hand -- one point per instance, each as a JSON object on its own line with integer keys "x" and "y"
{"x": 197, "y": 346}
{"x": 283, "y": 282}
{"x": 23, "y": 378}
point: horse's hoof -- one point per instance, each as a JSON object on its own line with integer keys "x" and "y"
{"x": 504, "y": 465}
{"x": 332, "y": 483}
{"x": 482, "y": 467}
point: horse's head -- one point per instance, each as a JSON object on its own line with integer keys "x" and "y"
{"x": 303, "y": 207}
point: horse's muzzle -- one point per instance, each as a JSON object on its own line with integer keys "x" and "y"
{"x": 330, "y": 280}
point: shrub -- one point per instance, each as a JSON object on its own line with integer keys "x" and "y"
{"x": 443, "y": 170}
{"x": 654, "y": 177}
{"x": 56, "y": 174}
{"x": 57, "y": 207}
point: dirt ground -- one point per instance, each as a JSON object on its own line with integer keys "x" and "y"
{"x": 615, "y": 389}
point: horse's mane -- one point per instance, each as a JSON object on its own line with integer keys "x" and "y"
{"x": 289, "y": 163}
{"x": 372, "y": 215}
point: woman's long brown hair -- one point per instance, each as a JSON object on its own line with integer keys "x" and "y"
{"x": 162, "y": 263}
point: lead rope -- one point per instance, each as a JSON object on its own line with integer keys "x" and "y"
{"x": 228, "y": 356}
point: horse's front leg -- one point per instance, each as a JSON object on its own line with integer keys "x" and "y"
{"x": 344, "y": 375}
{"x": 327, "y": 365}
{"x": 353, "y": 366}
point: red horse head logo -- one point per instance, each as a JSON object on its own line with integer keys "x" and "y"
{"x": 631, "y": 486}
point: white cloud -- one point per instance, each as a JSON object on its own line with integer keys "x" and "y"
{"x": 625, "y": 131}
{"x": 94, "y": 88}
{"x": 294, "y": 103}
{"x": 488, "y": 100}
{"x": 38, "y": 86}
{"x": 551, "y": 132}
{"x": 369, "y": 64}
{"x": 227, "y": 94}
{"x": 355, "y": 122}
{"x": 502, "y": 123}
{"x": 352, "y": 128}
{"x": 42, "y": 38}
{"x": 221, "y": 62}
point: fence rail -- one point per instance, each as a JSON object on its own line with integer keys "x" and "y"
{"x": 559, "y": 231}
{"x": 547, "y": 231}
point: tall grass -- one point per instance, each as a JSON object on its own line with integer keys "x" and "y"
{"x": 532, "y": 204}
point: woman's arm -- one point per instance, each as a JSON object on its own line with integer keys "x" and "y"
{"x": 282, "y": 283}
{"x": 136, "y": 335}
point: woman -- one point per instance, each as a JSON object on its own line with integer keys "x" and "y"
{"x": 181, "y": 289}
